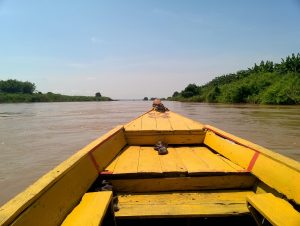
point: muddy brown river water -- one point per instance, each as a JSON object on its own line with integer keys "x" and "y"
{"x": 36, "y": 137}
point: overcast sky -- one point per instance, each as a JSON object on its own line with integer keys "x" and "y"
{"x": 137, "y": 48}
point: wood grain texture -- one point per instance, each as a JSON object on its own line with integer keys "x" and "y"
{"x": 184, "y": 183}
{"x": 180, "y": 160}
{"x": 185, "y": 204}
{"x": 91, "y": 209}
{"x": 276, "y": 210}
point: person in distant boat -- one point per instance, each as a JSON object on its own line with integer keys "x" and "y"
{"x": 158, "y": 106}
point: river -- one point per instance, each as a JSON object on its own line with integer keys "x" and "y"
{"x": 36, "y": 137}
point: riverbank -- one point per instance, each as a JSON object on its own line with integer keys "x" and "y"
{"x": 46, "y": 97}
{"x": 265, "y": 83}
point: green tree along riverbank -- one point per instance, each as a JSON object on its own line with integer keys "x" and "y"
{"x": 14, "y": 91}
{"x": 265, "y": 83}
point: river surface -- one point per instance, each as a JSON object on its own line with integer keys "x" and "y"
{"x": 36, "y": 137}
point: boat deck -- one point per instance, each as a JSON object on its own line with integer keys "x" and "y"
{"x": 168, "y": 121}
{"x": 188, "y": 160}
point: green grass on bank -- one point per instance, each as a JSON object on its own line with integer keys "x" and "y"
{"x": 266, "y": 83}
{"x": 47, "y": 97}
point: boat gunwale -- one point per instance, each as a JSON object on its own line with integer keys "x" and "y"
{"x": 33, "y": 192}
{"x": 291, "y": 163}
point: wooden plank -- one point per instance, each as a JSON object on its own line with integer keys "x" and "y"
{"x": 186, "y": 204}
{"x": 274, "y": 170}
{"x": 192, "y": 162}
{"x": 231, "y": 164}
{"x": 149, "y": 121}
{"x": 111, "y": 167}
{"x": 140, "y": 138}
{"x": 214, "y": 162}
{"x": 163, "y": 123}
{"x": 135, "y": 125}
{"x": 149, "y": 161}
{"x": 128, "y": 161}
{"x": 91, "y": 210}
{"x": 106, "y": 152}
{"x": 238, "y": 181}
{"x": 181, "y": 120}
{"x": 176, "y": 122}
{"x": 276, "y": 210}
{"x": 171, "y": 163}
{"x": 53, "y": 196}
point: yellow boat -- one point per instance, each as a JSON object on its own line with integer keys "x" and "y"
{"x": 208, "y": 177}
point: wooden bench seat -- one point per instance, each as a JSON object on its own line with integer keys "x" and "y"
{"x": 91, "y": 210}
{"x": 276, "y": 210}
{"x": 183, "y": 204}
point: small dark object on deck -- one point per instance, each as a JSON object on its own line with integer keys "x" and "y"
{"x": 107, "y": 186}
{"x": 161, "y": 148}
{"x": 158, "y": 106}
{"x": 115, "y": 201}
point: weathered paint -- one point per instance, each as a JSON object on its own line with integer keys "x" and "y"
{"x": 277, "y": 171}
{"x": 238, "y": 181}
{"x": 53, "y": 196}
{"x": 168, "y": 127}
{"x": 91, "y": 209}
{"x": 180, "y": 160}
{"x": 276, "y": 210}
{"x": 186, "y": 204}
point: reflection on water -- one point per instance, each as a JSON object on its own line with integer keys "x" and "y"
{"x": 36, "y": 137}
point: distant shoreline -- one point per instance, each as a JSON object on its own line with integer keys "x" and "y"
{"x": 46, "y": 98}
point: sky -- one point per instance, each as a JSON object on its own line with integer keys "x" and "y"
{"x": 138, "y": 48}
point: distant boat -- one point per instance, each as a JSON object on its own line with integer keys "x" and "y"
{"x": 208, "y": 176}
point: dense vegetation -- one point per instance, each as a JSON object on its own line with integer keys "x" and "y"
{"x": 266, "y": 83}
{"x": 14, "y": 91}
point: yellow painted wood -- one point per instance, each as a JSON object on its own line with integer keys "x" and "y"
{"x": 168, "y": 127}
{"x": 171, "y": 162}
{"x": 163, "y": 123}
{"x": 104, "y": 153}
{"x": 214, "y": 162}
{"x": 274, "y": 170}
{"x": 177, "y": 123}
{"x": 149, "y": 161}
{"x": 184, "y": 183}
{"x": 190, "y": 124}
{"x": 140, "y": 138}
{"x": 149, "y": 121}
{"x": 168, "y": 121}
{"x": 91, "y": 210}
{"x": 274, "y": 155}
{"x": 184, "y": 204}
{"x": 276, "y": 210}
{"x": 48, "y": 200}
{"x": 112, "y": 165}
{"x": 128, "y": 161}
{"x": 192, "y": 162}
{"x": 231, "y": 164}
{"x": 135, "y": 125}
{"x": 238, "y": 154}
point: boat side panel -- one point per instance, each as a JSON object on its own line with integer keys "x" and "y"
{"x": 107, "y": 151}
{"x": 48, "y": 200}
{"x": 52, "y": 207}
{"x": 274, "y": 172}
